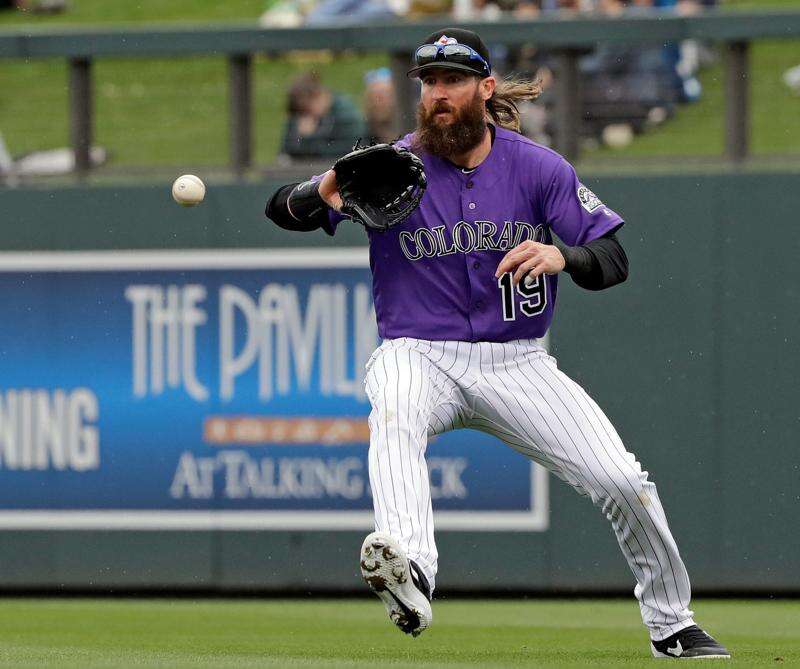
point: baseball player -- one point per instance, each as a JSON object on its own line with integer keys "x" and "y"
{"x": 464, "y": 291}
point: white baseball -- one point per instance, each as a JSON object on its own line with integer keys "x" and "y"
{"x": 188, "y": 190}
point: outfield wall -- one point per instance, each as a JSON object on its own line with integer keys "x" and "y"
{"x": 695, "y": 359}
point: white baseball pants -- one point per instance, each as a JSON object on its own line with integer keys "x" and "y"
{"x": 515, "y": 391}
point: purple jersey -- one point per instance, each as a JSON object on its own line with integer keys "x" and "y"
{"x": 433, "y": 274}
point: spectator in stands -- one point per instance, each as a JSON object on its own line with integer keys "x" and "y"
{"x": 683, "y": 7}
{"x": 528, "y": 9}
{"x": 792, "y": 79}
{"x": 7, "y": 171}
{"x": 327, "y": 12}
{"x": 380, "y": 105}
{"x": 681, "y": 58}
{"x": 524, "y": 9}
{"x": 35, "y": 6}
{"x": 633, "y": 86}
{"x": 321, "y": 123}
{"x": 565, "y": 6}
{"x": 418, "y": 9}
{"x": 293, "y": 13}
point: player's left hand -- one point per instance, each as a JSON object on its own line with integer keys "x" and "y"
{"x": 532, "y": 259}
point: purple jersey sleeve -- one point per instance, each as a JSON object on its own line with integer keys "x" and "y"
{"x": 573, "y": 211}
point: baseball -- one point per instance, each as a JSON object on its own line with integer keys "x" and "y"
{"x": 188, "y": 190}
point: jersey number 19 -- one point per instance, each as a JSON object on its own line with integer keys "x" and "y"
{"x": 535, "y": 294}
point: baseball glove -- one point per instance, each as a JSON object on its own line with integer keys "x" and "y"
{"x": 381, "y": 185}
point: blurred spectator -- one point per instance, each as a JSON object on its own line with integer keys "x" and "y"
{"x": 683, "y": 58}
{"x": 792, "y": 79}
{"x": 528, "y": 9}
{"x": 683, "y": 7}
{"x": 380, "y": 103}
{"x": 51, "y": 162}
{"x": 285, "y": 14}
{"x": 567, "y": 6}
{"x": 321, "y": 123}
{"x": 352, "y": 11}
{"x": 7, "y": 171}
{"x": 36, "y": 6}
{"x": 625, "y": 87}
{"x": 293, "y": 13}
{"x": 624, "y": 83}
{"x": 422, "y": 8}
{"x": 628, "y": 86}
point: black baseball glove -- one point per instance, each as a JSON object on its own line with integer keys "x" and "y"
{"x": 381, "y": 185}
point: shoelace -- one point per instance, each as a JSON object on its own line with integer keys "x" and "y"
{"x": 693, "y": 636}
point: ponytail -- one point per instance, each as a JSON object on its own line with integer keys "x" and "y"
{"x": 502, "y": 106}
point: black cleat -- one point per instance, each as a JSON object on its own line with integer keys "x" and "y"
{"x": 691, "y": 643}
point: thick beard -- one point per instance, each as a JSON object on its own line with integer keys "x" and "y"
{"x": 465, "y": 132}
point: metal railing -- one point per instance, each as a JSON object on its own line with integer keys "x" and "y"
{"x": 567, "y": 38}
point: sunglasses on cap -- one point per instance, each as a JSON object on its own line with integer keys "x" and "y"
{"x": 452, "y": 53}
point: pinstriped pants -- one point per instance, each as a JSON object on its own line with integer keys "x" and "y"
{"x": 515, "y": 391}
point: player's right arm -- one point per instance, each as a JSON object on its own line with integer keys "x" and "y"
{"x": 308, "y": 205}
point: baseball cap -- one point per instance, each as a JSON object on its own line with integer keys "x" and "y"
{"x": 447, "y": 36}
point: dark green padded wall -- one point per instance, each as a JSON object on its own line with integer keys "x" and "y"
{"x": 695, "y": 359}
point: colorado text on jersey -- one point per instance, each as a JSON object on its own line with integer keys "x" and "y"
{"x": 466, "y": 237}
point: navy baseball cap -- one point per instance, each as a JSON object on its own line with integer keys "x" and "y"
{"x": 477, "y": 62}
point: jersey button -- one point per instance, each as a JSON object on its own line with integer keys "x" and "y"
{"x": 479, "y": 305}
{"x": 470, "y": 184}
{"x": 476, "y": 265}
{"x": 472, "y": 205}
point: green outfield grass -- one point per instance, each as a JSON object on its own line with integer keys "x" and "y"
{"x": 174, "y": 111}
{"x": 156, "y": 633}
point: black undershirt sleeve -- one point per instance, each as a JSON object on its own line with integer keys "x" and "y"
{"x": 596, "y": 265}
{"x": 308, "y": 211}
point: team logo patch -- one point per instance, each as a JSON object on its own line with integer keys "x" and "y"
{"x": 589, "y": 201}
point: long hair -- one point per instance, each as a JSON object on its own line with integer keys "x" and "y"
{"x": 502, "y": 106}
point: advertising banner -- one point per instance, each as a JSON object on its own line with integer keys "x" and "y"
{"x": 204, "y": 389}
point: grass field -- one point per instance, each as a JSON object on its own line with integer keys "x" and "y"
{"x": 142, "y": 11}
{"x": 174, "y": 111}
{"x": 90, "y": 634}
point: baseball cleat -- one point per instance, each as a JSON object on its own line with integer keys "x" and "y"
{"x": 398, "y": 582}
{"x": 691, "y": 643}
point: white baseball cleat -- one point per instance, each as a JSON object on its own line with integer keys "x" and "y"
{"x": 398, "y": 582}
